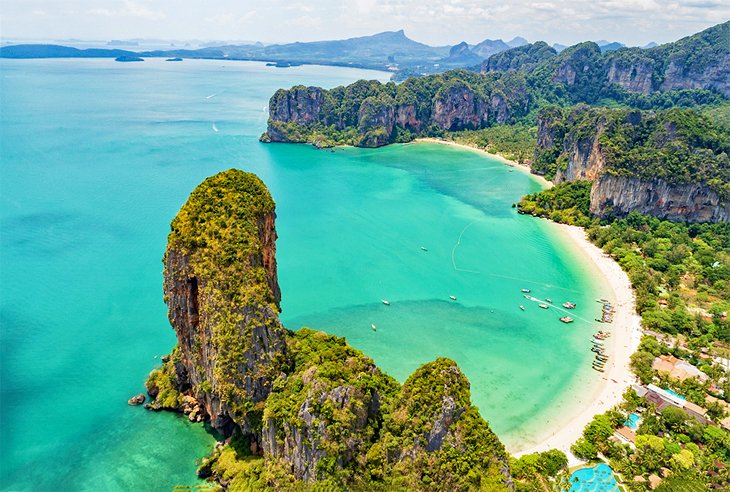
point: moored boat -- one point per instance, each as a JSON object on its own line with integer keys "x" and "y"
{"x": 566, "y": 319}
{"x": 569, "y": 305}
{"x": 526, "y": 290}
{"x": 373, "y": 327}
{"x": 386, "y": 302}
{"x": 548, "y": 300}
{"x": 544, "y": 306}
{"x": 522, "y": 307}
{"x": 453, "y": 298}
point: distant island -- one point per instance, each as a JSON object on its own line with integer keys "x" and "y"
{"x": 176, "y": 59}
{"x": 127, "y": 58}
{"x": 391, "y": 51}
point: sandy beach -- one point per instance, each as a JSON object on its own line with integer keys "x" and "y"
{"x": 609, "y": 387}
{"x": 625, "y": 336}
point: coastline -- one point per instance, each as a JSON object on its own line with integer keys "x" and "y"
{"x": 608, "y": 387}
{"x": 521, "y": 167}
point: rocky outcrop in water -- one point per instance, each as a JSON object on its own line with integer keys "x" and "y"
{"x": 222, "y": 294}
{"x": 298, "y": 407}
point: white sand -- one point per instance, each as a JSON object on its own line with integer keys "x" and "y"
{"x": 609, "y": 386}
{"x": 625, "y": 336}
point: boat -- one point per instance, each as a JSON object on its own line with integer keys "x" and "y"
{"x": 549, "y": 300}
{"x": 526, "y": 290}
{"x": 599, "y": 369}
{"x": 424, "y": 248}
{"x": 544, "y": 306}
{"x": 566, "y": 319}
{"x": 386, "y": 302}
{"x": 522, "y": 307}
{"x": 453, "y": 298}
{"x": 569, "y": 305}
{"x": 373, "y": 327}
{"x": 599, "y": 320}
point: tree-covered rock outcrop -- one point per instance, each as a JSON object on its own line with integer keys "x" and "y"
{"x": 299, "y": 409}
{"x": 514, "y": 86}
{"x": 670, "y": 164}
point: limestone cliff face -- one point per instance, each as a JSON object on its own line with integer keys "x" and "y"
{"x": 231, "y": 351}
{"x": 405, "y": 117}
{"x": 585, "y": 159}
{"x": 300, "y": 105}
{"x": 633, "y": 76}
{"x": 375, "y": 122}
{"x": 432, "y": 418}
{"x": 682, "y": 75}
{"x": 572, "y": 143}
{"x": 619, "y": 195}
{"x": 457, "y": 108}
{"x": 576, "y": 63}
{"x": 313, "y": 417}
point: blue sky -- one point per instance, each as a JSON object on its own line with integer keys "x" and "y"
{"x": 435, "y": 22}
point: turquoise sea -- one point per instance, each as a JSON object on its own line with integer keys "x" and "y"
{"x": 96, "y": 157}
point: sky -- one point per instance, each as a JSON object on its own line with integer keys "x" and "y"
{"x": 434, "y": 22}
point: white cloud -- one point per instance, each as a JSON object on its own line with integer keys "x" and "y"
{"x": 435, "y": 22}
{"x": 130, "y": 9}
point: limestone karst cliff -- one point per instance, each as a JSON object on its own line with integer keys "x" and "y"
{"x": 304, "y": 407}
{"x": 223, "y": 296}
{"x": 671, "y": 165}
{"x": 512, "y": 86}
{"x": 700, "y": 61}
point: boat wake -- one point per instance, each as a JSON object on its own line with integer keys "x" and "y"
{"x": 215, "y": 94}
{"x": 558, "y": 308}
{"x": 215, "y": 128}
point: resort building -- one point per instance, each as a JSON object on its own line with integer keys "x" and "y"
{"x": 625, "y": 435}
{"x": 662, "y": 399}
{"x": 696, "y": 411}
{"x": 677, "y": 368}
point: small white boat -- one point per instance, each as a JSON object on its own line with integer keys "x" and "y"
{"x": 544, "y": 306}
{"x": 525, "y": 290}
{"x": 424, "y": 248}
{"x": 453, "y": 298}
{"x": 548, "y": 300}
{"x": 386, "y": 302}
{"x": 373, "y": 327}
{"x": 522, "y": 307}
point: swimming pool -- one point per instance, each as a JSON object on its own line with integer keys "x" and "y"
{"x": 633, "y": 421}
{"x": 597, "y": 479}
{"x": 675, "y": 394}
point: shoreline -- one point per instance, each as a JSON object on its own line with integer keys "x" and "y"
{"x": 607, "y": 388}
{"x": 521, "y": 167}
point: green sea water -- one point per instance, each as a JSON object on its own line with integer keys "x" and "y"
{"x": 96, "y": 157}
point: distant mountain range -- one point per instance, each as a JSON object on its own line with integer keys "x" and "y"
{"x": 390, "y": 50}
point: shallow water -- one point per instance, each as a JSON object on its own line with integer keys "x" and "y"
{"x": 97, "y": 157}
